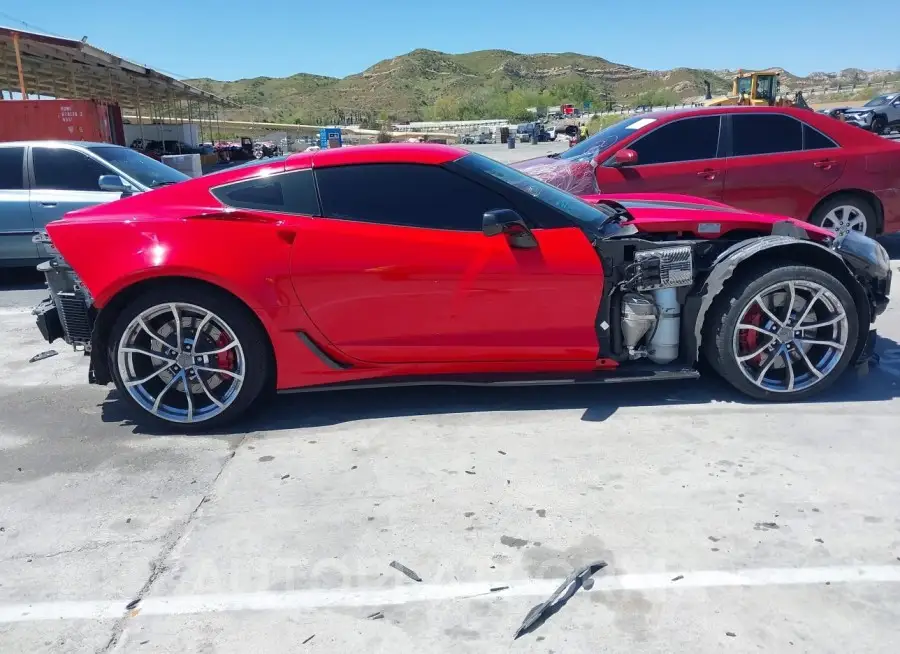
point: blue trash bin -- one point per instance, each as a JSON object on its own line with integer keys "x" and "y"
{"x": 511, "y": 142}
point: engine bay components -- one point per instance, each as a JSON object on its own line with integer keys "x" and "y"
{"x": 663, "y": 346}
{"x": 639, "y": 318}
{"x": 663, "y": 268}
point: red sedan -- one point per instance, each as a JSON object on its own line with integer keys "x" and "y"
{"x": 412, "y": 264}
{"x": 785, "y": 161}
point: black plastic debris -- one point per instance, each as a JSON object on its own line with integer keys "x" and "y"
{"x": 497, "y": 589}
{"x": 132, "y": 604}
{"x": 378, "y": 615}
{"x": 308, "y": 639}
{"x": 678, "y": 578}
{"x": 409, "y": 573}
{"x": 540, "y": 613}
{"x": 46, "y": 354}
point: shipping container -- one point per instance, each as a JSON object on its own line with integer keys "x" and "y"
{"x": 61, "y": 120}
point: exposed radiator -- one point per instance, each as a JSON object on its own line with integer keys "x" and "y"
{"x": 75, "y": 317}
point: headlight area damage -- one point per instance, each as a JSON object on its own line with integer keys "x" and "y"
{"x": 858, "y": 262}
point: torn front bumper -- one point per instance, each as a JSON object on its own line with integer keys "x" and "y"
{"x": 48, "y": 322}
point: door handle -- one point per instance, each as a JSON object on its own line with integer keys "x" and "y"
{"x": 708, "y": 173}
{"x": 49, "y": 205}
{"x": 824, "y": 165}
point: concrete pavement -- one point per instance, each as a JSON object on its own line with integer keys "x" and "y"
{"x": 724, "y": 523}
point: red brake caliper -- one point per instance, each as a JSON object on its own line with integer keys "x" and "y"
{"x": 225, "y": 359}
{"x": 749, "y": 338}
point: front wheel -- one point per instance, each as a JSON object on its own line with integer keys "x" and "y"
{"x": 188, "y": 356}
{"x": 784, "y": 332}
{"x": 878, "y": 124}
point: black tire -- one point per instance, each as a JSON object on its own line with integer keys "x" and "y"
{"x": 729, "y": 308}
{"x": 253, "y": 339}
{"x": 878, "y": 124}
{"x": 854, "y": 200}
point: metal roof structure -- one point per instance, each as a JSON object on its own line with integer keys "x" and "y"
{"x": 35, "y": 64}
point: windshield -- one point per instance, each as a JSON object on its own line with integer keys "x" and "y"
{"x": 587, "y": 150}
{"x": 765, "y": 87}
{"x": 878, "y": 101}
{"x": 141, "y": 168}
{"x": 586, "y": 215}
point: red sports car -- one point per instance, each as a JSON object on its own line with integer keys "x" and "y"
{"x": 785, "y": 161}
{"x": 411, "y": 264}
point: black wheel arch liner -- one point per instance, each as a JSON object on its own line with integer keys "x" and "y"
{"x": 785, "y": 248}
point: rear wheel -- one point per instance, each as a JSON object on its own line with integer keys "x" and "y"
{"x": 189, "y": 356}
{"x": 846, "y": 211}
{"x": 782, "y": 332}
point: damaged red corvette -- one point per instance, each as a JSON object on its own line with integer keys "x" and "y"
{"x": 412, "y": 264}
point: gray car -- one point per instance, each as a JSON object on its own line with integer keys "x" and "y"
{"x": 40, "y": 181}
{"x": 877, "y": 114}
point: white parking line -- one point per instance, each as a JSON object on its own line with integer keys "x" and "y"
{"x": 316, "y": 599}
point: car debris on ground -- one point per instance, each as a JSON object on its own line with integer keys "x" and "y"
{"x": 402, "y": 568}
{"x": 46, "y": 354}
{"x": 540, "y": 613}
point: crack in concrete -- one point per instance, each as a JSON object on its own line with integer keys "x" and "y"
{"x": 158, "y": 564}
{"x": 90, "y": 547}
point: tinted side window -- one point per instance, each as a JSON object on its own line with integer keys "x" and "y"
{"x": 288, "y": 193}
{"x": 815, "y": 140}
{"x": 690, "y": 139}
{"x": 765, "y": 134}
{"x": 406, "y": 194}
{"x": 11, "y": 169}
{"x": 66, "y": 170}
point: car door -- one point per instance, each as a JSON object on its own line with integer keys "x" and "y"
{"x": 64, "y": 179}
{"x": 779, "y": 164}
{"x": 16, "y": 226}
{"x": 398, "y": 270}
{"x": 680, "y": 156}
{"x": 893, "y": 112}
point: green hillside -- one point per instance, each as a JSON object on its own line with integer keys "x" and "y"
{"x": 430, "y": 85}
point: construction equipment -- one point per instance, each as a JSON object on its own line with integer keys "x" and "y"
{"x": 756, "y": 88}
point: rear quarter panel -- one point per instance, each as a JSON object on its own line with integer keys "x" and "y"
{"x": 249, "y": 259}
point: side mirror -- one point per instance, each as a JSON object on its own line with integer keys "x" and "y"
{"x": 113, "y": 184}
{"x": 625, "y": 157}
{"x": 507, "y": 221}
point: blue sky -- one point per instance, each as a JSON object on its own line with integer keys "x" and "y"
{"x": 231, "y": 39}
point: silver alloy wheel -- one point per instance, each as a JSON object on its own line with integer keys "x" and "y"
{"x": 845, "y": 217}
{"x": 790, "y": 336}
{"x": 181, "y": 362}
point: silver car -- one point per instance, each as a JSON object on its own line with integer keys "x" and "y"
{"x": 878, "y": 114}
{"x": 42, "y": 180}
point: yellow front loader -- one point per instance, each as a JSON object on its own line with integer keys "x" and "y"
{"x": 755, "y": 88}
